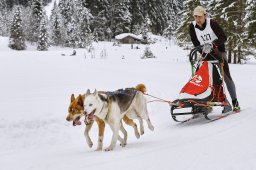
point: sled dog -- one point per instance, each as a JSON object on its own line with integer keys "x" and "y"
{"x": 76, "y": 111}
{"x": 111, "y": 107}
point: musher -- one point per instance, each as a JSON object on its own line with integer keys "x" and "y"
{"x": 205, "y": 30}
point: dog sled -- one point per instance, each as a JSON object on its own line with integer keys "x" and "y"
{"x": 204, "y": 90}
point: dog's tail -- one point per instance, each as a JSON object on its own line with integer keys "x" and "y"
{"x": 141, "y": 88}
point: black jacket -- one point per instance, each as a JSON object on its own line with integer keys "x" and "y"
{"x": 220, "y": 42}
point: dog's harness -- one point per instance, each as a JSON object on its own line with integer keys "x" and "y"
{"x": 120, "y": 91}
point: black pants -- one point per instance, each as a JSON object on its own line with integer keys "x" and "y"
{"x": 227, "y": 77}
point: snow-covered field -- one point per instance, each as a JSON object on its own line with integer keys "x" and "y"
{"x": 35, "y": 92}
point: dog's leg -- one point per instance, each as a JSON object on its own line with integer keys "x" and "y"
{"x": 142, "y": 113}
{"x": 141, "y": 126}
{"x": 86, "y": 134}
{"x": 125, "y": 135}
{"x": 121, "y": 140}
{"x": 101, "y": 125}
{"x": 140, "y": 121}
{"x": 150, "y": 126}
{"x": 115, "y": 126}
{"x": 133, "y": 124}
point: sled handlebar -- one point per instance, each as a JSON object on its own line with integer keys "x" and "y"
{"x": 203, "y": 49}
{"x": 193, "y": 52}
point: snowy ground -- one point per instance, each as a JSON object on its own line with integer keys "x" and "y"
{"x": 35, "y": 93}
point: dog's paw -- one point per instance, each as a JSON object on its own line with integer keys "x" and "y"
{"x": 108, "y": 149}
{"x": 137, "y": 135}
{"x": 123, "y": 144}
{"x": 141, "y": 132}
{"x": 151, "y": 128}
{"x": 89, "y": 142}
{"x": 90, "y": 145}
{"x": 98, "y": 149}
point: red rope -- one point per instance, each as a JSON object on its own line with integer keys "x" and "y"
{"x": 155, "y": 101}
{"x": 162, "y": 100}
{"x": 200, "y": 104}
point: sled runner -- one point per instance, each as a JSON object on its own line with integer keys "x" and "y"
{"x": 205, "y": 88}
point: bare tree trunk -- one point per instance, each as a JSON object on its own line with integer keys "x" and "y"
{"x": 235, "y": 56}
{"x": 229, "y": 52}
{"x": 239, "y": 55}
{"x": 241, "y": 28}
{"x": 112, "y": 17}
{"x": 113, "y": 4}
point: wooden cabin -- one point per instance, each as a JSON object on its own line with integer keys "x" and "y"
{"x": 128, "y": 38}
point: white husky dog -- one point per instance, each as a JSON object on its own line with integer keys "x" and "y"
{"x": 113, "y": 106}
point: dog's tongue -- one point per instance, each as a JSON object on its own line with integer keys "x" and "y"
{"x": 90, "y": 116}
{"x": 76, "y": 122}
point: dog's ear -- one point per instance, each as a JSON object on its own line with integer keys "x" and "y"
{"x": 95, "y": 92}
{"x": 83, "y": 97}
{"x": 103, "y": 98}
{"x": 88, "y": 92}
{"x": 72, "y": 97}
{"x": 80, "y": 100}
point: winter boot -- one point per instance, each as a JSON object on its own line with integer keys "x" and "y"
{"x": 227, "y": 108}
{"x": 236, "y": 107}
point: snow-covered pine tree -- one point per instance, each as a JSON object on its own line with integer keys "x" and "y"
{"x": 205, "y": 3}
{"x": 66, "y": 8}
{"x": 12, "y": 3}
{"x": 3, "y": 18}
{"x": 215, "y": 12}
{"x": 47, "y": 1}
{"x": 84, "y": 21}
{"x": 96, "y": 6}
{"x": 147, "y": 53}
{"x": 101, "y": 14}
{"x": 250, "y": 19}
{"x": 241, "y": 36}
{"x": 137, "y": 17}
{"x": 43, "y": 43}
{"x": 70, "y": 21}
{"x": 120, "y": 17}
{"x": 25, "y": 15}
{"x": 157, "y": 15}
{"x": 187, "y": 14}
{"x": 17, "y": 38}
{"x": 36, "y": 15}
{"x": 173, "y": 7}
{"x": 65, "y": 15}
{"x": 145, "y": 30}
{"x": 73, "y": 38}
{"x": 55, "y": 26}
{"x": 233, "y": 13}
